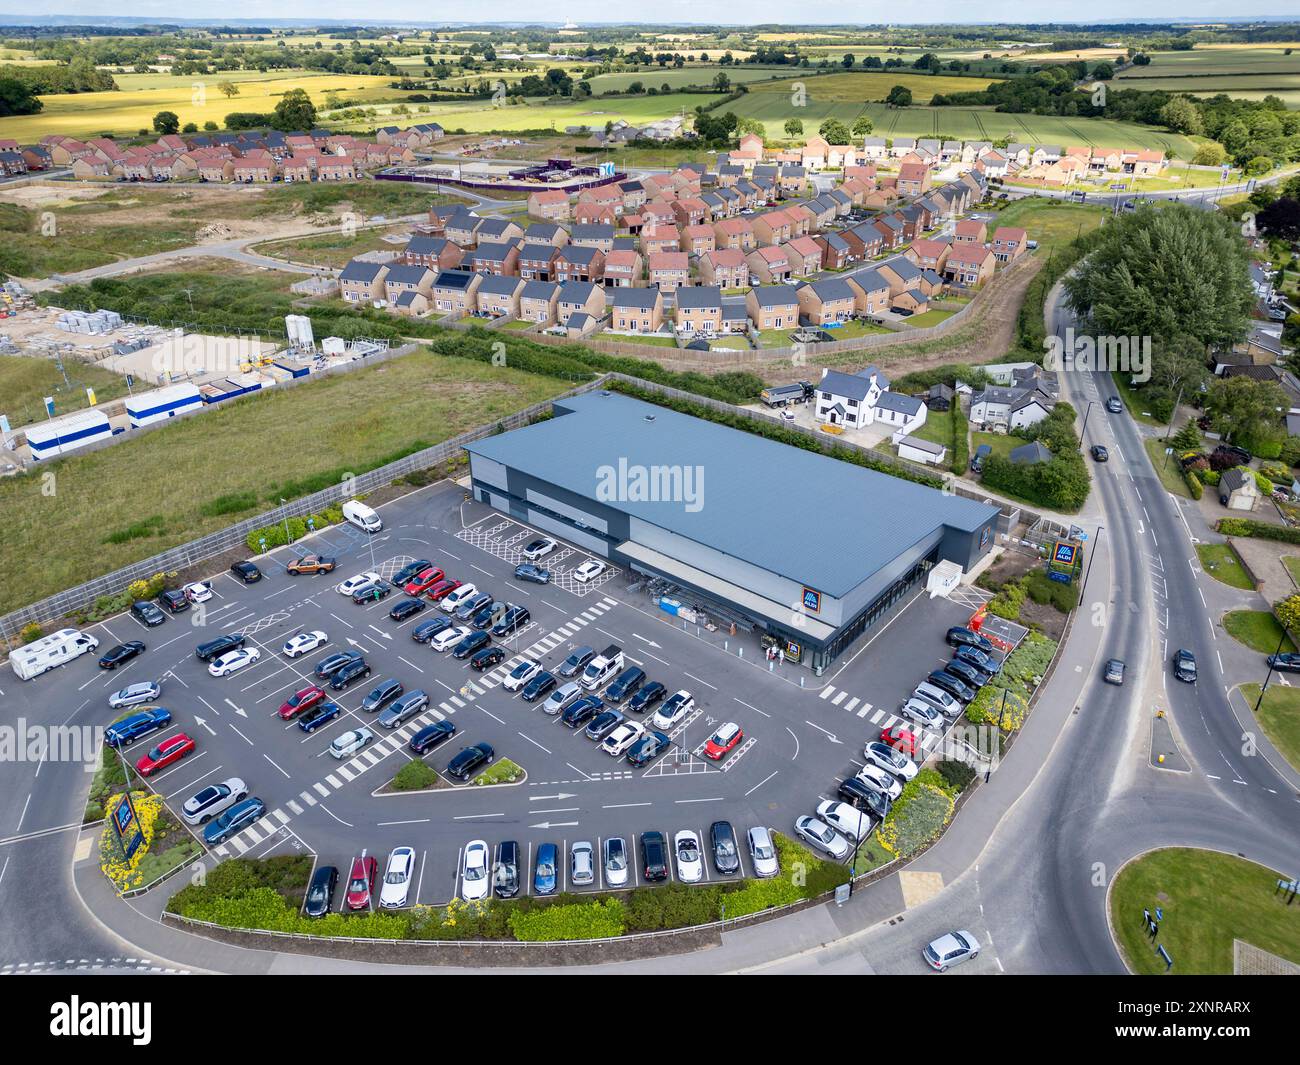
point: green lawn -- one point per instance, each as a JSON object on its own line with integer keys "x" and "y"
{"x": 1257, "y": 629}
{"x": 1050, "y": 222}
{"x": 25, "y": 381}
{"x": 1292, "y": 564}
{"x": 1133, "y": 400}
{"x": 937, "y": 428}
{"x": 518, "y": 323}
{"x": 857, "y": 328}
{"x": 658, "y": 340}
{"x": 1279, "y": 717}
{"x": 774, "y": 338}
{"x": 1221, "y": 562}
{"x": 933, "y": 317}
{"x": 328, "y": 249}
{"x": 1208, "y": 900}
{"x": 1001, "y": 443}
{"x": 1170, "y": 474}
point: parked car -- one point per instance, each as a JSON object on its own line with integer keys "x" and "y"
{"x": 344, "y": 678}
{"x": 207, "y": 803}
{"x": 582, "y": 711}
{"x": 953, "y": 685}
{"x": 427, "y": 630}
{"x": 1185, "y": 665}
{"x": 230, "y": 642}
{"x": 331, "y": 664}
{"x": 236, "y": 819}
{"x": 467, "y": 608}
{"x": 589, "y": 571}
{"x": 647, "y": 697}
{"x": 538, "y": 548}
{"x": 122, "y": 653}
{"x": 941, "y": 700}
{"x": 449, "y": 638}
{"x": 647, "y": 749}
{"x": 952, "y": 949}
{"x": 618, "y": 742}
{"x": 382, "y": 694}
{"x": 458, "y": 596}
{"x": 654, "y": 857}
{"x": 198, "y": 591}
{"x": 350, "y": 585}
{"x": 881, "y": 780}
{"x": 582, "y": 863}
{"x": 372, "y": 591}
{"x": 1114, "y": 671}
{"x": 972, "y": 676}
{"x": 125, "y": 732}
{"x": 475, "y": 871}
{"x": 762, "y": 852}
{"x": 167, "y": 752}
{"x": 350, "y": 743}
{"x": 690, "y": 863}
{"x": 145, "y": 691}
{"x": 533, "y": 574}
{"x": 514, "y": 619}
{"x": 174, "y": 600}
{"x": 885, "y": 757}
{"x": 538, "y": 686}
{"x": 405, "y": 708}
{"x": 246, "y": 572}
{"x": 724, "y": 741}
{"x": 625, "y": 685}
{"x": 423, "y": 580}
{"x": 303, "y": 642}
{"x": 545, "y": 871}
{"x": 522, "y": 673}
{"x": 320, "y": 892}
{"x": 561, "y": 698}
{"x": 396, "y": 887}
{"x": 361, "y": 882}
{"x": 577, "y": 662}
{"x": 921, "y": 713}
{"x": 856, "y": 793}
{"x": 431, "y": 736}
{"x": 234, "y": 661}
{"x": 147, "y": 613}
{"x": 486, "y": 658}
{"x": 901, "y": 738}
{"x": 408, "y": 607}
{"x": 470, "y": 759}
{"x": 958, "y": 636}
{"x": 410, "y": 571}
{"x": 442, "y": 589}
{"x": 614, "y": 860}
{"x": 300, "y": 701}
{"x": 312, "y": 564}
{"x": 845, "y": 819}
{"x": 820, "y": 836}
{"x": 470, "y": 644}
{"x": 318, "y": 715}
{"x": 678, "y": 705}
{"x": 603, "y": 724}
{"x": 1286, "y": 662}
{"x": 505, "y": 879}
{"x": 726, "y": 851}
{"x": 975, "y": 657}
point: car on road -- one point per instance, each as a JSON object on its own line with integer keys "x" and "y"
{"x": 1099, "y": 453}
{"x": 147, "y": 613}
{"x": 344, "y": 678}
{"x": 486, "y": 658}
{"x": 953, "y": 685}
{"x": 958, "y": 636}
{"x": 878, "y": 779}
{"x": 361, "y": 882}
{"x": 1114, "y": 671}
{"x": 1115, "y": 405}
{"x": 462, "y": 594}
{"x": 538, "y": 548}
{"x": 475, "y": 871}
{"x": 350, "y": 585}
{"x": 647, "y": 697}
{"x": 532, "y": 574}
{"x": 647, "y": 749}
{"x": 125, "y": 732}
{"x": 514, "y": 619}
{"x": 303, "y": 699}
{"x": 198, "y": 591}
{"x": 690, "y": 863}
{"x": 304, "y": 642}
{"x": 852, "y": 823}
{"x": 523, "y": 672}
{"x": 145, "y": 691}
{"x": 589, "y": 571}
{"x": 449, "y": 638}
{"x": 545, "y": 870}
{"x": 885, "y": 757}
{"x": 618, "y": 742}
{"x": 427, "y": 630}
{"x": 762, "y": 852}
{"x": 614, "y": 860}
{"x": 654, "y": 857}
{"x": 246, "y": 572}
{"x": 234, "y": 661}
{"x": 901, "y": 738}
{"x": 320, "y": 892}
{"x": 236, "y": 819}
{"x": 405, "y": 708}
{"x": 856, "y": 793}
{"x": 167, "y": 752}
{"x": 331, "y": 664}
{"x": 407, "y": 607}
{"x": 372, "y": 591}
{"x": 410, "y": 571}
{"x": 726, "y": 851}
{"x": 423, "y": 581}
{"x": 921, "y": 713}
{"x": 312, "y": 564}
{"x": 505, "y": 880}
{"x": 674, "y": 709}
{"x": 538, "y": 686}
{"x": 350, "y": 743}
{"x": 382, "y": 694}
{"x": 1286, "y": 662}
{"x": 123, "y": 652}
{"x": 431, "y": 736}
{"x": 472, "y": 643}
{"x": 466, "y": 608}
{"x": 576, "y": 662}
{"x": 230, "y": 642}
{"x": 205, "y": 804}
{"x": 582, "y": 711}
{"x": 561, "y": 698}
{"x": 1185, "y": 665}
{"x": 396, "y": 887}
{"x": 582, "y": 864}
{"x": 318, "y": 715}
{"x": 820, "y": 836}
{"x": 438, "y": 592}
{"x": 174, "y": 600}
{"x": 470, "y": 759}
{"x": 952, "y": 949}
{"x": 724, "y": 741}
{"x": 625, "y": 684}
{"x": 603, "y": 724}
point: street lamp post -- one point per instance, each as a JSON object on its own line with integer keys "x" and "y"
{"x": 1172, "y": 418}
{"x": 1091, "y": 556}
{"x": 1269, "y": 677}
{"x": 1084, "y": 430}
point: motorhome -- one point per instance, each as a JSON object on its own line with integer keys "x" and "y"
{"x": 33, "y": 659}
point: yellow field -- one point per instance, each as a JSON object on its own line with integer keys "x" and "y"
{"x": 860, "y": 87}
{"x": 194, "y": 99}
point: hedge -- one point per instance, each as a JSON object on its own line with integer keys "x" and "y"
{"x": 1260, "y": 530}
{"x": 1194, "y": 485}
{"x": 960, "y": 440}
{"x": 598, "y": 919}
{"x": 1062, "y": 483}
{"x": 917, "y": 816}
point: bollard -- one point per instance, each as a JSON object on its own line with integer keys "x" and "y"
{"x": 740, "y": 651}
{"x": 1160, "y": 759}
{"x": 771, "y": 666}
{"x": 801, "y": 680}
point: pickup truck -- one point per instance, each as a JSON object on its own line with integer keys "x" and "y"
{"x": 781, "y": 395}
{"x": 311, "y": 564}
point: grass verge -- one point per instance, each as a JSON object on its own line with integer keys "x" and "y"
{"x": 1221, "y": 562}
{"x": 1257, "y": 629}
{"x": 1279, "y": 717}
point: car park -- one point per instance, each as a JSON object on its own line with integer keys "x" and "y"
{"x": 952, "y": 949}
{"x": 470, "y": 759}
{"x": 407, "y": 607}
{"x": 1100, "y": 453}
{"x": 880, "y": 779}
{"x": 125, "y": 732}
{"x": 396, "y": 887}
{"x": 246, "y": 572}
{"x": 654, "y": 857}
{"x": 372, "y": 591}
{"x": 236, "y": 819}
{"x": 167, "y": 752}
{"x": 174, "y": 600}
{"x": 234, "y": 661}
{"x": 522, "y": 673}
{"x": 724, "y": 741}
{"x": 1285, "y": 662}
{"x": 442, "y": 589}
{"x": 312, "y": 564}
{"x": 405, "y": 708}
{"x": 423, "y": 581}
{"x": 582, "y": 864}
{"x": 589, "y": 571}
{"x": 198, "y": 591}
{"x": 576, "y": 662}
{"x": 427, "y": 630}
{"x": 230, "y": 642}
{"x": 318, "y": 715}
{"x": 1185, "y": 666}
{"x": 458, "y": 596}
{"x": 475, "y": 871}
{"x": 762, "y": 852}
{"x": 614, "y": 861}
{"x": 382, "y": 694}
{"x": 561, "y": 698}
{"x": 304, "y": 642}
{"x": 647, "y": 697}
{"x": 603, "y": 724}
{"x": 958, "y": 636}
{"x": 208, "y": 802}
{"x": 467, "y": 608}
{"x": 361, "y": 882}
{"x": 331, "y": 664}
{"x": 320, "y": 892}
{"x": 585, "y": 709}
{"x": 953, "y": 685}
{"x": 472, "y": 643}
{"x": 618, "y": 742}
{"x": 647, "y": 749}
{"x": 431, "y": 736}
{"x": 690, "y": 863}
{"x": 538, "y": 548}
{"x": 147, "y": 613}
{"x": 121, "y": 654}
{"x": 486, "y": 658}
{"x": 1114, "y": 671}
{"x": 625, "y": 685}
{"x": 921, "y": 713}
{"x": 853, "y": 824}
{"x": 145, "y": 691}
{"x": 532, "y": 574}
{"x": 350, "y": 585}
{"x": 449, "y": 638}
{"x": 411, "y": 571}
{"x": 301, "y": 700}
{"x": 514, "y": 619}
{"x": 678, "y": 705}
{"x": 505, "y": 878}
{"x": 820, "y": 836}
{"x": 342, "y": 679}
{"x": 858, "y": 794}
{"x": 726, "y": 851}
{"x": 538, "y": 686}
{"x": 545, "y": 870}
{"x": 350, "y": 743}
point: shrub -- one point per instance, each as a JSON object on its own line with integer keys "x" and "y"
{"x": 1288, "y": 612}
{"x": 1194, "y": 486}
{"x": 1210, "y": 478}
{"x": 234, "y": 503}
{"x": 1009, "y": 600}
{"x": 1261, "y": 530}
{"x": 960, "y": 440}
{"x": 916, "y": 817}
{"x": 414, "y": 776}
{"x": 30, "y": 632}
{"x": 599, "y": 919}
{"x": 1042, "y": 589}
{"x": 674, "y": 905}
{"x": 958, "y": 774}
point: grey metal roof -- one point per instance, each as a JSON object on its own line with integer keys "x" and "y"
{"x": 538, "y": 290}
{"x": 360, "y": 270}
{"x": 865, "y": 519}
{"x": 641, "y": 299}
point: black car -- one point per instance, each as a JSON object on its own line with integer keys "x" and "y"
{"x": 381, "y": 695}
{"x": 863, "y": 798}
{"x": 576, "y": 662}
{"x": 647, "y": 697}
{"x": 246, "y": 572}
{"x": 372, "y": 592}
{"x": 538, "y": 686}
{"x": 320, "y": 893}
{"x": 469, "y": 759}
{"x": 123, "y": 652}
{"x": 586, "y": 708}
{"x": 147, "y": 613}
{"x": 1228, "y": 453}
{"x": 403, "y": 576}
{"x": 960, "y": 637}
{"x": 511, "y": 621}
{"x": 654, "y": 856}
{"x": 602, "y": 724}
{"x": 487, "y": 658}
{"x": 352, "y": 671}
{"x": 1114, "y": 671}
{"x": 1285, "y": 663}
{"x": 647, "y": 749}
{"x": 1184, "y": 665}
{"x": 625, "y": 684}
{"x": 431, "y": 736}
{"x": 505, "y": 876}
{"x": 472, "y": 643}
{"x": 408, "y": 607}
{"x": 489, "y": 614}
{"x": 1099, "y": 452}
{"x": 534, "y": 574}
{"x": 977, "y": 658}
{"x": 174, "y": 600}
{"x": 331, "y": 664}
{"x": 472, "y": 606}
{"x": 726, "y": 855}
{"x": 971, "y": 675}
{"x": 230, "y": 642}
{"x": 427, "y": 630}
{"x": 952, "y": 685}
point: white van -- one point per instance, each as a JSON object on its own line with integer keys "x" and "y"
{"x": 363, "y": 517}
{"x": 33, "y": 659}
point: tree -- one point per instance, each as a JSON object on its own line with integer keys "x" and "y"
{"x": 210, "y": 126}
{"x": 1210, "y": 155}
{"x": 18, "y": 98}
{"x": 1182, "y": 116}
{"x": 834, "y": 131}
{"x": 862, "y": 126}
{"x": 1178, "y": 365}
{"x": 294, "y": 111}
{"x": 721, "y": 83}
{"x": 793, "y": 127}
{"x": 228, "y": 89}
{"x": 899, "y": 96}
{"x": 1287, "y": 612}
{"x": 1103, "y": 72}
{"x": 166, "y": 122}
{"x": 1281, "y": 218}
{"x": 1258, "y": 165}
{"x": 1241, "y": 406}
{"x": 1188, "y": 438}
{"x": 848, "y": 60}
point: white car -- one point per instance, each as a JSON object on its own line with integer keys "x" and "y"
{"x": 822, "y": 837}
{"x": 589, "y": 570}
{"x": 621, "y": 739}
{"x": 890, "y": 760}
{"x": 145, "y": 691}
{"x": 615, "y": 857}
{"x": 397, "y": 877}
{"x": 350, "y": 585}
{"x": 303, "y": 642}
{"x": 474, "y": 880}
{"x": 845, "y": 819}
{"x": 674, "y": 708}
{"x": 539, "y": 548}
{"x": 690, "y": 864}
{"x": 878, "y": 780}
{"x": 762, "y": 853}
{"x": 349, "y": 743}
{"x": 233, "y": 661}
{"x": 198, "y": 591}
{"x": 449, "y": 638}
{"x": 204, "y": 805}
{"x": 922, "y": 713}
{"x": 953, "y": 949}
{"x": 787, "y": 415}
{"x": 462, "y": 594}
{"x": 521, "y": 675}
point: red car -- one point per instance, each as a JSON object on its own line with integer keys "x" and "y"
{"x": 723, "y": 741}
{"x": 902, "y": 739}
{"x": 443, "y": 589}
{"x": 424, "y": 580}
{"x": 300, "y": 701}
{"x": 361, "y": 882}
{"x": 170, "y": 750}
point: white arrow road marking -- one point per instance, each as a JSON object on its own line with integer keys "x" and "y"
{"x": 829, "y": 735}
{"x": 561, "y": 795}
{"x": 556, "y": 824}
{"x": 203, "y": 724}
{"x": 644, "y": 640}
{"x": 237, "y": 709}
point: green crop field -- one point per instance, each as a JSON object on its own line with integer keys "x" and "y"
{"x": 698, "y": 74}
{"x": 1244, "y": 71}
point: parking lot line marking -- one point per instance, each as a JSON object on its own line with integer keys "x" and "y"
{"x": 625, "y": 805}
{"x": 294, "y": 807}
{"x": 269, "y": 759}
{"x": 411, "y": 664}
{"x": 535, "y": 743}
{"x": 704, "y": 682}
{"x": 866, "y": 709}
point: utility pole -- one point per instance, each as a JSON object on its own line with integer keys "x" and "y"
{"x": 1172, "y": 419}
{"x": 1269, "y": 677}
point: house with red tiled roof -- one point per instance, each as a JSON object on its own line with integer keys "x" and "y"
{"x": 774, "y": 227}
{"x": 929, "y": 254}
{"x": 726, "y": 267}
{"x": 589, "y": 212}
{"x": 734, "y": 233}
{"x": 659, "y": 238}
{"x": 668, "y": 269}
{"x": 969, "y": 264}
{"x": 551, "y": 205}
{"x": 696, "y": 240}
{"x": 769, "y": 265}
{"x": 970, "y": 231}
{"x": 1009, "y": 243}
{"x": 622, "y": 268}
{"x": 804, "y": 255}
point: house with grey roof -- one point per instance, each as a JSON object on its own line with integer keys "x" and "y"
{"x": 850, "y": 399}
{"x": 1032, "y": 454}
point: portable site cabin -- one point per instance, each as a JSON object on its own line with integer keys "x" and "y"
{"x": 33, "y": 659}
{"x": 162, "y": 403}
{"x": 61, "y": 435}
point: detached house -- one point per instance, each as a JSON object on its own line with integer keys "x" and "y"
{"x": 669, "y": 269}
{"x": 734, "y": 233}
{"x": 969, "y": 264}
{"x": 773, "y": 307}
{"x": 402, "y": 278}
{"x": 699, "y": 310}
{"x": 929, "y": 254}
{"x": 498, "y": 296}
{"x": 871, "y": 292}
{"x": 726, "y": 267}
{"x": 804, "y": 255}
{"x": 826, "y": 302}
{"x": 768, "y": 265}
{"x": 456, "y": 292}
{"x": 580, "y": 298}
{"x": 622, "y": 268}
{"x": 538, "y": 301}
{"x": 970, "y": 231}
{"x": 696, "y": 240}
{"x": 636, "y": 310}
{"x": 437, "y": 253}
{"x": 549, "y": 204}
{"x": 849, "y": 399}
{"x": 578, "y": 263}
{"x": 1008, "y": 243}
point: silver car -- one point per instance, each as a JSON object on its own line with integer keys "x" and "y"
{"x": 562, "y": 698}
{"x": 615, "y": 861}
{"x": 145, "y": 691}
{"x": 582, "y": 867}
{"x": 949, "y": 950}
{"x": 762, "y": 854}
{"x": 406, "y": 707}
{"x": 822, "y": 837}
{"x": 203, "y": 806}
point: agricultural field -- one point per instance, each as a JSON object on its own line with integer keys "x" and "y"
{"x": 702, "y": 74}
{"x": 1244, "y": 71}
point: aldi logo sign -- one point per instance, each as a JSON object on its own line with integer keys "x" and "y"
{"x": 812, "y": 601}
{"x": 1063, "y": 554}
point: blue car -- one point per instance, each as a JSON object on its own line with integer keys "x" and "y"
{"x": 125, "y": 732}
{"x": 320, "y": 714}
{"x": 237, "y": 818}
{"x": 544, "y": 876}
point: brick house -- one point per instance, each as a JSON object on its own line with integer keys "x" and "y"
{"x": 970, "y": 231}
{"x": 437, "y": 253}
{"x": 594, "y": 235}
{"x": 498, "y": 296}
{"x": 580, "y": 297}
{"x": 773, "y": 307}
{"x": 734, "y": 233}
{"x": 636, "y": 310}
{"x": 773, "y": 227}
{"x": 546, "y": 233}
{"x": 456, "y": 292}
{"x": 588, "y": 212}
{"x": 538, "y": 301}
{"x": 699, "y": 309}
{"x": 726, "y": 267}
{"x": 462, "y": 228}
{"x": 768, "y": 265}
{"x": 578, "y": 263}
{"x": 405, "y": 278}
{"x": 668, "y": 269}
{"x": 551, "y": 205}
{"x": 929, "y": 254}
{"x": 658, "y": 238}
{"x": 362, "y": 282}
{"x": 870, "y": 292}
{"x": 969, "y": 264}
{"x": 804, "y": 255}
{"x": 622, "y": 268}
{"x": 696, "y": 240}
{"x": 864, "y": 241}
{"x": 826, "y": 302}
{"x": 1008, "y": 243}
{"x": 535, "y": 262}
{"x": 494, "y": 258}
{"x": 835, "y": 250}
